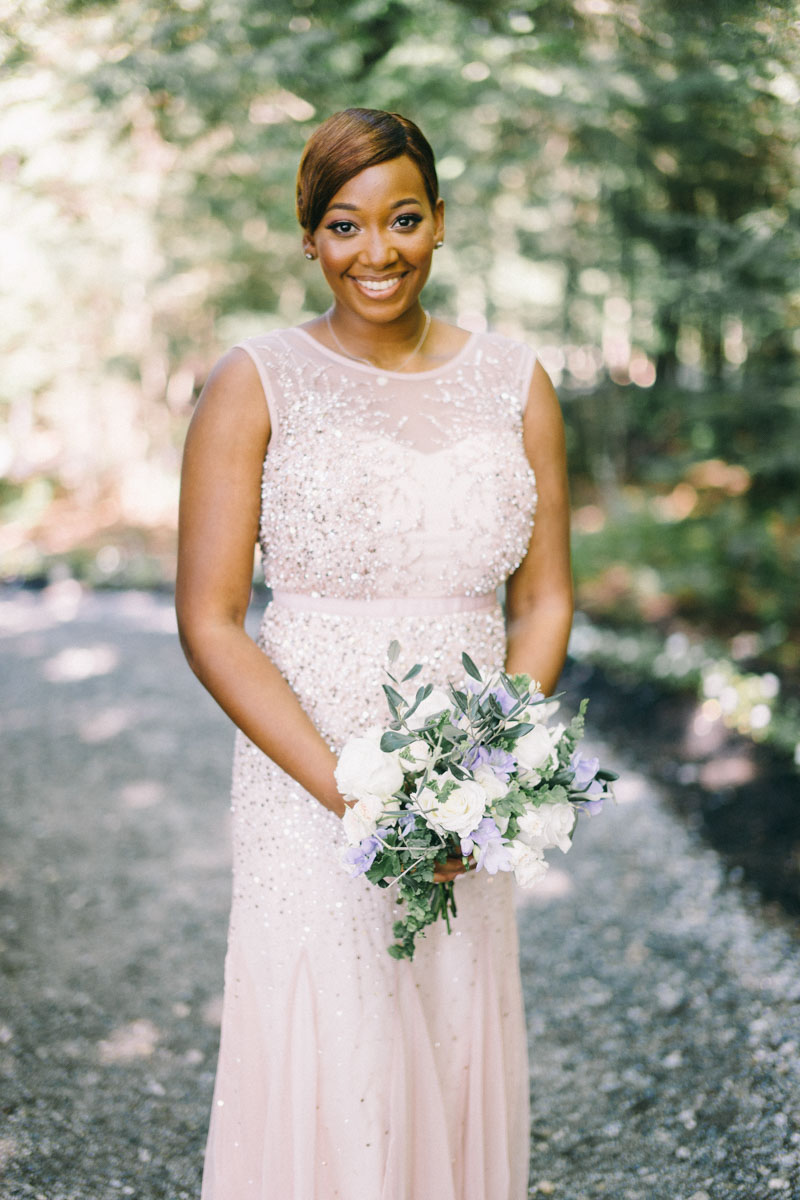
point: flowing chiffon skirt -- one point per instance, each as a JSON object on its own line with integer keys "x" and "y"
{"x": 343, "y": 1073}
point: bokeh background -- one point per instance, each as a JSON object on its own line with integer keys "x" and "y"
{"x": 622, "y": 181}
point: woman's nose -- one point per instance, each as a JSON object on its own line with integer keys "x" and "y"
{"x": 379, "y": 249}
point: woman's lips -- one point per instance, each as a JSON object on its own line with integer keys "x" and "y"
{"x": 378, "y": 289}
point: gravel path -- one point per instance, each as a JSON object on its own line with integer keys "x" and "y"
{"x": 664, "y": 1004}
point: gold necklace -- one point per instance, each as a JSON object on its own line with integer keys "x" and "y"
{"x": 426, "y": 326}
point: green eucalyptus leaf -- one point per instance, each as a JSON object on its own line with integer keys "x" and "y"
{"x": 470, "y": 668}
{"x": 518, "y": 731}
{"x": 396, "y": 701}
{"x": 391, "y": 741}
{"x": 510, "y": 686}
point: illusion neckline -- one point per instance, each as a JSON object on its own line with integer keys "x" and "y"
{"x": 379, "y": 371}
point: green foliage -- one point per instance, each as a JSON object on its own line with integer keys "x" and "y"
{"x": 622, "y": 189}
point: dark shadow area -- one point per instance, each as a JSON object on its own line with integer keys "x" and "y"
{"x": 743, "y": 799}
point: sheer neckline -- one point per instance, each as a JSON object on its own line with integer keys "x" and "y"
{"x": 379, "y": 371}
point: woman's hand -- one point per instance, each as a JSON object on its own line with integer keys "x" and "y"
{"x": 447, "y": 871}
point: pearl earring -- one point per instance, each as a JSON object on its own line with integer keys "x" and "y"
{"x": 436, "y": 245}
{"x": 309, "y": 255}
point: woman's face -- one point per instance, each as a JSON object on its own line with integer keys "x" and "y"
{"x": 376, "y": 240}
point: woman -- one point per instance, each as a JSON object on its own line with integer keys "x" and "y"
{"x": 385, "y": 460}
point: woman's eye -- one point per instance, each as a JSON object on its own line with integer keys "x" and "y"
{"x": 342, "y": 226}
{"x": 408, "y": 220}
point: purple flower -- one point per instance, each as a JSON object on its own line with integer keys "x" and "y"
{"x": 406, "y": 822}
{"x": 590, "y": 806}
{"x": 360, "y": 858}
{"x": 503, "y": 698}
{"x": 500, "y": 694}
{"x": 585, "y": 770}
{"x": 500, "y": 762}
{"x": 493, "y": 853}
{"x": 596, "y": 795}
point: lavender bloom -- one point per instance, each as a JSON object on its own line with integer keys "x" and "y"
{"x": 596, "y": 796}
{"x": 406, "y": 822}
{"x": 493, "y": 853}
{"x": 585, "y": 770}
{"x": 500, "y": 694}
{"x": 502, "y": 697}
{"x": 500, "y": 762}
{"x": 360, "y": 858}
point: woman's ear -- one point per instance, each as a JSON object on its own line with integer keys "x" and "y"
{"x": 438, "y": 221}
{"x": 309, "y": 249}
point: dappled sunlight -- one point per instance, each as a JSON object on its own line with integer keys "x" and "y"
{"x": 590, "y": 518}
{"x": 727, "y": 771}
{"x": 143, "y": 793}
{"x": 105, "y": 725}
{"x": 631, "y": 788}
{"x": 731, "y": 478}
{"x": 77, "y": 663}
{"x": 555, "y": 885}
{"x": 212, "y": 1011}
{"x": 136, "y": 1039}
{"x": 32, "y": 612}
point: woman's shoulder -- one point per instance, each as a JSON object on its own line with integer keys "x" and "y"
{"x": 269, "y": 342}
{"x": 503, "y": 344}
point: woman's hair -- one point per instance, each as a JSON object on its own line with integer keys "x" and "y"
{"x": 346, "y": 144}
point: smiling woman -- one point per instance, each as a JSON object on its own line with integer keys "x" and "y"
{"x": 374, "y": 233}
{"x": 389, "y": 464}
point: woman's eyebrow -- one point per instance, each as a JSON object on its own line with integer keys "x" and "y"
{"x": 397, "y": 204}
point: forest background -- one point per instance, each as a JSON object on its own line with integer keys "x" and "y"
{"x": 623, "y": 191}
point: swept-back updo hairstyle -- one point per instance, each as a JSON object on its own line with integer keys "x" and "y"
{"x": 349, "y": 142}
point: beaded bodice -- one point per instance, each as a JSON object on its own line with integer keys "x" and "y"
{"x": 380, "y": 483}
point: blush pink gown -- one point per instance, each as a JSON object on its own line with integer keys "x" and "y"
{"x": 394, "y": 504}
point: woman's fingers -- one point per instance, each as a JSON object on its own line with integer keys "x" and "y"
{"x": 449, "y": 870}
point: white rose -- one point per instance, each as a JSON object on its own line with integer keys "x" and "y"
{"x": 461, "y": 810}
{"x": 365, "y": 770}
{"x": 416, "y": 756}
{"x": 494, "y": 787}
{"x": 529, "y": 866}
{"x": 540, "y": 712}
{"x": 546, "y": 826}
{"x": 534, "y": 750}
{"x": 438, "y": 701}
{"x": 360, "y": 820}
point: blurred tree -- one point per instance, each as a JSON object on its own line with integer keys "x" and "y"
{"x": 622, "y": 184}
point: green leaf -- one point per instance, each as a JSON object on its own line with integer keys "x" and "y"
{"x": 394, "y": 651}
{"x": 607, "y": 776}
{"x": 415, "y": 670}
{"x": 391, "y": 741}
{"x": 510, "y": 686}
{"x": 518, "y": 731}
{"x": 422, "y": 694}
{"x": 470, "y": 668}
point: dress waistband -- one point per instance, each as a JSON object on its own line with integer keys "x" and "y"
{"x": 385, "y": 606}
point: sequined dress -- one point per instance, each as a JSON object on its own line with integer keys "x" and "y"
{"x": 394, "y": 504}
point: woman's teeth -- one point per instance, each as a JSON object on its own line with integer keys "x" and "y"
{"x": 379, "y": 285}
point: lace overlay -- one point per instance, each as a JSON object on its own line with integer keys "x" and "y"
{"x": 342, "y": 1073}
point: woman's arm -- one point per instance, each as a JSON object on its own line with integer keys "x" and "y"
{"x": 539, "y": 593}
{"x": 218, "y": 529}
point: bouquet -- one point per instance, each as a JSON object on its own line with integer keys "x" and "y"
{"x": 473, "y": 771}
